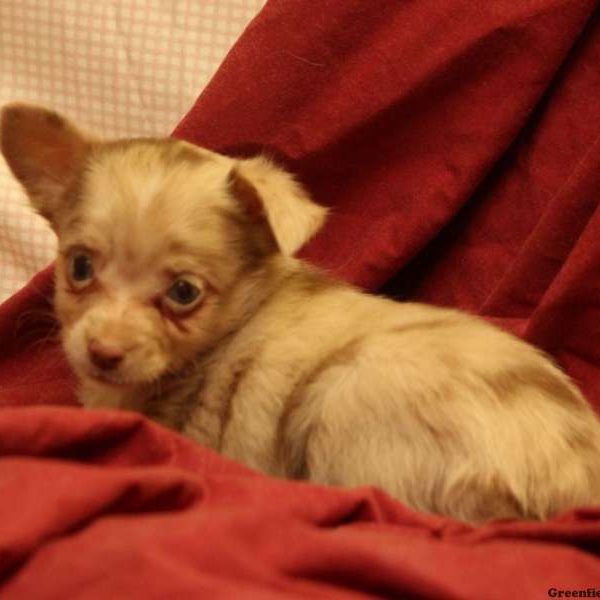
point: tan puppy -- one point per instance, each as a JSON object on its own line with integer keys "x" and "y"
{"x": 179, "y": 297}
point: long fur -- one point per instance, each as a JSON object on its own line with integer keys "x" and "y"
{"x": 279, "y": 366}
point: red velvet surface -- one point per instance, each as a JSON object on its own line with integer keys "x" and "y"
{"x": 458, "y": 145}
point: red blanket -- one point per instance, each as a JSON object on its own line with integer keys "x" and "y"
{"x": 458, "y": 145}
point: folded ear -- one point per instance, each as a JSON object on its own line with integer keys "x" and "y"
{"x": 269, "y": 193}
{"x": 44, "y": 151}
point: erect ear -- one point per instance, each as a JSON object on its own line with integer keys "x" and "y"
{"x": 270, "y": 194}
{"x": 44, "y": 151}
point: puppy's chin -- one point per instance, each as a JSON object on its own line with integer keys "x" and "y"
{"x": 112, "y": 389}
{"x": 96, "y": 392}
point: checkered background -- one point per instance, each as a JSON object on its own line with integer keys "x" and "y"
{"x": 120, "y": 68}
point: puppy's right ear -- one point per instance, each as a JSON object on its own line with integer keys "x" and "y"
{"x": 45, "y": 153}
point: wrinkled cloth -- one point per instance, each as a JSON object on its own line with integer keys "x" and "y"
{"x": 457, "y": 144}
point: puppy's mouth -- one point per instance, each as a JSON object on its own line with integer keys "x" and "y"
{"x": 114, "y": 378}
{"x": 108, "y": 378}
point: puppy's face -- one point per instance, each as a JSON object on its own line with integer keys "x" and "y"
{"x": 162, "y": 245}
{"x": 150, "y": 253}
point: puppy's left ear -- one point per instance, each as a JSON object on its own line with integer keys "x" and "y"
{"x": 270, "y": 195}
{"x": 45, "y": 153}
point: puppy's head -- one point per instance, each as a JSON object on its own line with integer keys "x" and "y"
{"x": 162, "y": 245}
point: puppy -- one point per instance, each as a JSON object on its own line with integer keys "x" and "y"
{"x": 179, "y": 297}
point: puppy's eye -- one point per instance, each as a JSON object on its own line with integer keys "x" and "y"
{"x": 183, "y": 295}
{"x": 81, "y": 269}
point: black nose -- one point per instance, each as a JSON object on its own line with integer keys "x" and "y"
{"x": 105, "y": 357}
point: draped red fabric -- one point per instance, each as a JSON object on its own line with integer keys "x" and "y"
{"x": 458, "y": 146}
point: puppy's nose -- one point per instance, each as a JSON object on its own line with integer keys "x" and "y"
{"x": 105, "y": 357}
